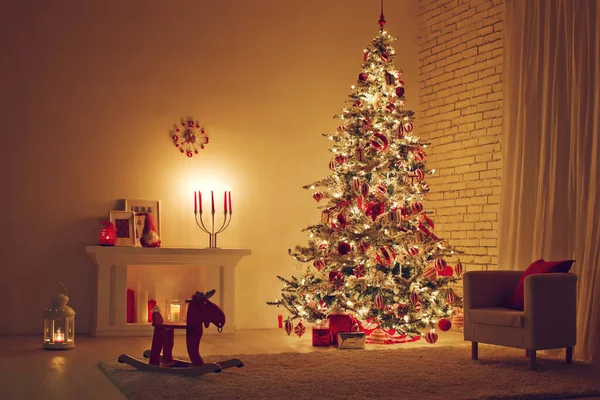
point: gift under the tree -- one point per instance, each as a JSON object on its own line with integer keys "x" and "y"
{"x": 351, "y": 340}
{"x": 320, "y": 336}
{"x": 340, "y": 323}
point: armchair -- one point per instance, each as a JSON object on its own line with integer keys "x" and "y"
{"x": 548, "y": 320}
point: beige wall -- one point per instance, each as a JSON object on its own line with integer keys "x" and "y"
{"x": 460, "y": 114}
{"x": 90, "y": 89}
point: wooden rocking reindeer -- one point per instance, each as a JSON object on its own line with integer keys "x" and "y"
{"x": 201, "y": 311}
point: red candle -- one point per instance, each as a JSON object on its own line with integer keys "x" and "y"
{"x": 230, "y": 209}
{"x": 225, "y": 202}
{"x": 212, "y": 198}
{"x": 200, "y": 199}
{"x": 195, "y": 203}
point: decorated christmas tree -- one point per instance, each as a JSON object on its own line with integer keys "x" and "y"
{"x": 374, "y": 254}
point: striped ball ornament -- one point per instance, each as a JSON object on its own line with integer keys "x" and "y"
{"x": 458, "y": 321}
{"x": 413, "y": 251}
{"x": 416, "y": 207}
{"x": 451, "y": 296}
{"x": 440, "y": 264}
{"x": 318, "y": 196}
{"x": 430, "y": 273}
{"x": 356, "y": 183}
{"x": 378, "y": 336}
{"x": 431, "y": 337}
{"x": 385, "y": 256}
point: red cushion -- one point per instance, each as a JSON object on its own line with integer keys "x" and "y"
{"x": 517, "y": 300}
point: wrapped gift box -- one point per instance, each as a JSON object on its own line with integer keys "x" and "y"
{"x": 351, "y": 340}
{"x": 320, "y": 336}
{"x": 339, "y": 323}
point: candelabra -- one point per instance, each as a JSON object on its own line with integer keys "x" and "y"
{"x": 212, "y": 234}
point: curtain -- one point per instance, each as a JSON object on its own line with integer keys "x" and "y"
{"x": 550, "y": 191}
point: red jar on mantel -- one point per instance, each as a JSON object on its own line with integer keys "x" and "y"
{"x": 108, "y": 235}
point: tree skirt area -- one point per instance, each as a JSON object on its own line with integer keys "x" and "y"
{"x": 436, "y": 372}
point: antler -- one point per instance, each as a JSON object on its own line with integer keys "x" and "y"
{"x": 202, "y": 296}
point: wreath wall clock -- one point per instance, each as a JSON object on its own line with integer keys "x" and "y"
{"x": 189, "y": 137}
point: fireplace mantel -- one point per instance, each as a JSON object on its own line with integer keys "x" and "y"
{"x": 217, "y": 265}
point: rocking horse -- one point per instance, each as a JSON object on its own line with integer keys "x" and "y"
{"x": 200, "y": 311}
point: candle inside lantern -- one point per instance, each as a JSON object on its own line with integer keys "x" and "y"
{"x": 200, "y": 199}
{"x": 225, "y": 202}
{"x": 195, "y": 203}
{"x": 59, "y": 336}
{"x": 212, "y": 199}
{"x": 175, "y": 312}
{"x": 230, "y": 209}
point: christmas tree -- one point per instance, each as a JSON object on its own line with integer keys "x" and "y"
{"x": 374, "y": 253}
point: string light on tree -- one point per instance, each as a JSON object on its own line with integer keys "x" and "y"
{"x": 374, "y": 253}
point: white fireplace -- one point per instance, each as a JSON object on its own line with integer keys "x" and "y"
{"x": 162, "y": 274}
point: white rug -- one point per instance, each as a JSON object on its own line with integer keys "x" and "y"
{"x": 437, "y": 372}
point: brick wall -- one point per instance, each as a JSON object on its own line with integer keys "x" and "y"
{"x": 460, "y": 115}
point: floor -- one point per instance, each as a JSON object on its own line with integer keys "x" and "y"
{"x": 29, "y": 372}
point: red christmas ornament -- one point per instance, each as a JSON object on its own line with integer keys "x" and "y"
{"x": 378, "y": 301}
{"x": 408, "y": 128}
{"x": 108, "y": 234}
{"x": 365, "y": 189}
{"x": 299, "y": 329}
{"x": 337, "y": 279}
{"x": 332, "y": 165}
{"x": 364, "y": 247}
{"x": 319, "y": 264}
{"x": 356, "y": 183}
{"x": 440, "y": 264}
{"x": 399, "y": 91}
{"x": 366, "y": 122}
{"x": 420, "y": 174}
{"x": 431, "y": 337}
{"x": 359, "y": 154}
{"x": 451, "y": 296}
{"x": 390, "y": 107}
{"x": 379, "y": 141}
{"x": 341, "y": 128}
{"x": 414, "y": 298}
{"x": 385, "y": 256}
{"x": 344, "y": 248}
{"x": 444, "y": 324}
{"x": 381, "y": 188}
{"x": 458, "y": 268}
{"x": 416, "y": 207}
{"x": 362, "y": 77}
{"x": 374, "y": 209}
{"x": 419, "y": 155}
{"x": 430, "y": 273}
{"x": 413, "y": 251}
{"x": 317, "y": 196}
{"x": 448, "y": 271}
{"x": 289, "y": 326}
{"x": 400, "y": 132}
{"x": 341, "y": 219}
{"x": 340, "y": 159}
{"x": 357, "y": 103}
{"x": 365, "y": 55}
{"x": 360, "y": 271}
{"x": 323, "y": 246}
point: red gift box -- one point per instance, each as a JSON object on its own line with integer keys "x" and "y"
{"x": 320, "y": 336}
{"x": 340, "y": 323}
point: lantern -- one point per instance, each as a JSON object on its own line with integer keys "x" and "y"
{"x": 59, "y": 323}
{"x": 108, "y": 234}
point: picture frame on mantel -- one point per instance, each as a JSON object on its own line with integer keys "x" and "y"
{"x": 151, "y": 207}
{"x": 123, "y": 222}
